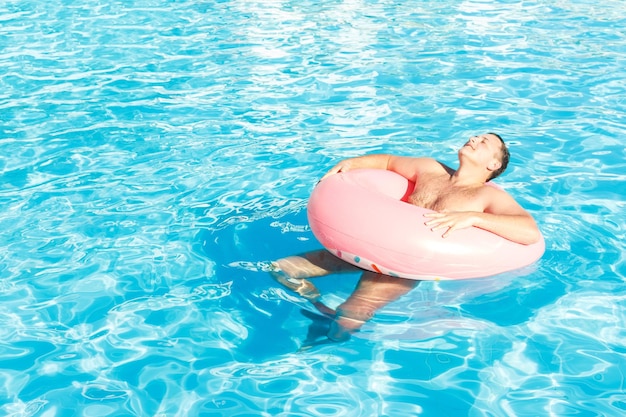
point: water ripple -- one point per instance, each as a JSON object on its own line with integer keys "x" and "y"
{"x": 154, "y": 156}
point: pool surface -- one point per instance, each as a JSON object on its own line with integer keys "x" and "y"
{"x": 155, "y": 156}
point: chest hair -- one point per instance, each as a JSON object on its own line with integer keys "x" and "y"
{"x": 436, "y": 193}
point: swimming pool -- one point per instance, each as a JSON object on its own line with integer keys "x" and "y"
{"x": 155, "y": 155}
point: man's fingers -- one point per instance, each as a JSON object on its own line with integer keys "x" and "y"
{"x": 435, "y": 218}
{"x": 435, "y": 214}
{"x": 439, "y": 222}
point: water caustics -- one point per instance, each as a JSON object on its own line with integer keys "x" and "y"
{"x": 155, "y": 156}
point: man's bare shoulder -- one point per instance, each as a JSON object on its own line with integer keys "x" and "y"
{"x": 499, "y": 201}
{"x": 494, "y": 192}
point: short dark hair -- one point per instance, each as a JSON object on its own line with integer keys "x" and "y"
{"x": 504, "y": 158}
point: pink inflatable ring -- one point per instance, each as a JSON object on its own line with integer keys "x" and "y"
{"x": 362, "y": 217}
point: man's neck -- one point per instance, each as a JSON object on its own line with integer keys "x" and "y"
{"x": 465, "y": 177}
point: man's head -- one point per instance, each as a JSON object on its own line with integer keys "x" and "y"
{"x": 487, "y": 151}
{"x": 503, "y": 156}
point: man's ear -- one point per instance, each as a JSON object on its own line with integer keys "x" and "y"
{"x": 494, "y": 165}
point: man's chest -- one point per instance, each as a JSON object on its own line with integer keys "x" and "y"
{"x": 437, "y": 194}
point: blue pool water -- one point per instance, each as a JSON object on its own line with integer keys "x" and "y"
{"x": 155, "y": 155}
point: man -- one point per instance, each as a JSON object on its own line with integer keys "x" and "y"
{"x": 459, "y": 199}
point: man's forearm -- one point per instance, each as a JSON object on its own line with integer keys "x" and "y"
{"x": 375, "y": 161}
{"x": 517, "y": 228}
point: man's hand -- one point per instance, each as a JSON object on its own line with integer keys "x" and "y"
{"x": 451, "y": 220}
{"x": 342, "y": 166}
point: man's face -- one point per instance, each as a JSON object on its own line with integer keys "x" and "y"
{"x": 483, "y": 149}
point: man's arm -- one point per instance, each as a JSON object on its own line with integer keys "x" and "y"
{"x": 505, "y": 217}
{"x": 502, "y": 216}
{"x": 408, "y": 167}
{"x": 376, "y": 161}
